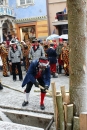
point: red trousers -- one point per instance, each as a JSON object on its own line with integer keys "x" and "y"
{"x": 53, "y": 68}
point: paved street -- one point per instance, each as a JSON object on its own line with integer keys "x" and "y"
{"x": 12, "y": 95}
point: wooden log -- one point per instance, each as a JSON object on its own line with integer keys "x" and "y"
{"x": 65, "y": 114}
{"x": 69, "y": 117}
{"x": 55, "y": 105}
{"x": 67, "y": 98}
{"x": 41, "y": 87}
{"x": 61, "y": 112}
{"x": 76, "y": 123}
{"x": 83, "y": 121}
{"x": 63, "y": 93}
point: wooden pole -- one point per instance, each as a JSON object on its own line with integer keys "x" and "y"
{"x": 63, "y": 93}
{"x": 65, "y": 114}
{"x": 83, "y": 121}
{"x": 46, "y": 90}
{"x": 69, "y": 117}
{"x": 76, "y": 123}
{"x": 55, "y": 105}
{"x": 61, "y": 112}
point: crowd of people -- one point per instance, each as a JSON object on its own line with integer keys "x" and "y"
{"x": 41, "y": 60}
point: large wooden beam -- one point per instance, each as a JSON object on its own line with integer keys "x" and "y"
{"x": 83, "y": 121}
{"x": 55, "y": 105}
{"x": 61, "y": 112}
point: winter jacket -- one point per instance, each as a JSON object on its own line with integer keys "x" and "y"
{"x": 15, "y": 56}
{"x": 32, "y": 72}
{"x": 36, "y": 54}
{"x": 52, "y": 55}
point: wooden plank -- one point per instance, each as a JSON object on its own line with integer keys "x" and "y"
{"x": 69, "y": 117}
{"x": 83, "y": 121}
{"x": 55, "y": 105}
{"x": 76, "y": 123}
{"x": 63, "y": 92}
{"x": 61, "y": 112}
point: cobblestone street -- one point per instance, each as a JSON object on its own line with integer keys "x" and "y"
{"x": 13, "y": 95}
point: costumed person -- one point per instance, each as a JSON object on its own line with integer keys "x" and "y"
{"x": 36, "y": 50}
{"x": 26, "y": 52}
{"x": 4, "y": 57}
{"x": 45, "y": 46}
{"x": 1, "y": 87}
{"x": 38, "y": 74}
{"x": 58, "y": 51}
{"x": 15, "y": 58}
{"x": 52, "y": 57}
{"x": 65, "y": 57}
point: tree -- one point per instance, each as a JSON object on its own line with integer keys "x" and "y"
{"x": 78, "y": 58}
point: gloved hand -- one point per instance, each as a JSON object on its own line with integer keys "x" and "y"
{"x": 45, "y": 88}
{"x": 36, "y": 84}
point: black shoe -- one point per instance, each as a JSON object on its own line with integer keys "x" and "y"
{"x": 25, "y": 103}
{"x": 1, "y": 87}
{"x": 42, "y": 107}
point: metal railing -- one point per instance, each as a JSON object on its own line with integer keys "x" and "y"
{"x": 5, "y": 10}
{"x": 62, "y": 17}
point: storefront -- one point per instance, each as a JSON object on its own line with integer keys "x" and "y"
{"x": 31, "y": 28}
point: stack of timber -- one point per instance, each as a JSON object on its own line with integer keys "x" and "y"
{"x": 63, "y": 111}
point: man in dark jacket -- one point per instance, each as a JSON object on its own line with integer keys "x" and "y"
{"x": 39, "y": 70}
{"x": 52, "y": 57}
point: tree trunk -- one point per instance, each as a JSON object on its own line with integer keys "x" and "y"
{"x": 78, "y": 59}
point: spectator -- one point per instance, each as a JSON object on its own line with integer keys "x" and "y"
{"x": 52, "y": 57}
{"x": 36, "y": 50}
{"x": 4, "y": 57}
{"x": 15, "y": 58}
{"x": 10, "y": 36}
{"x": 65, "y": 57}
{"x": 58, "y": 51}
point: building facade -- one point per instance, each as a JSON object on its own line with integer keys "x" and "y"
{"x": 57, "y": 16}
{"x": 24, "y": 18}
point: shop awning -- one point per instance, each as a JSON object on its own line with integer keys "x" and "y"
{"x": 62, "y": 22}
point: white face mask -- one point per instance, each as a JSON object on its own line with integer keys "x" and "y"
{"x": 44, "y": 64}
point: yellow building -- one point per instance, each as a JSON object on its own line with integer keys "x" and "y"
{"x": 32, "y": 27}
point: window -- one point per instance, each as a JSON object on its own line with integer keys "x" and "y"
{"x": 24, "y": 3}
{"x": 1, "y": 2}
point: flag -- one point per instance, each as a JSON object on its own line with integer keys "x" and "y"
{"x": 64, "y": 10}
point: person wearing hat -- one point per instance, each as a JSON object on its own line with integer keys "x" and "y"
{"x": 38, "y": 74}
{"x": 15, "y": 58}
{"x": 36, "y": 50}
